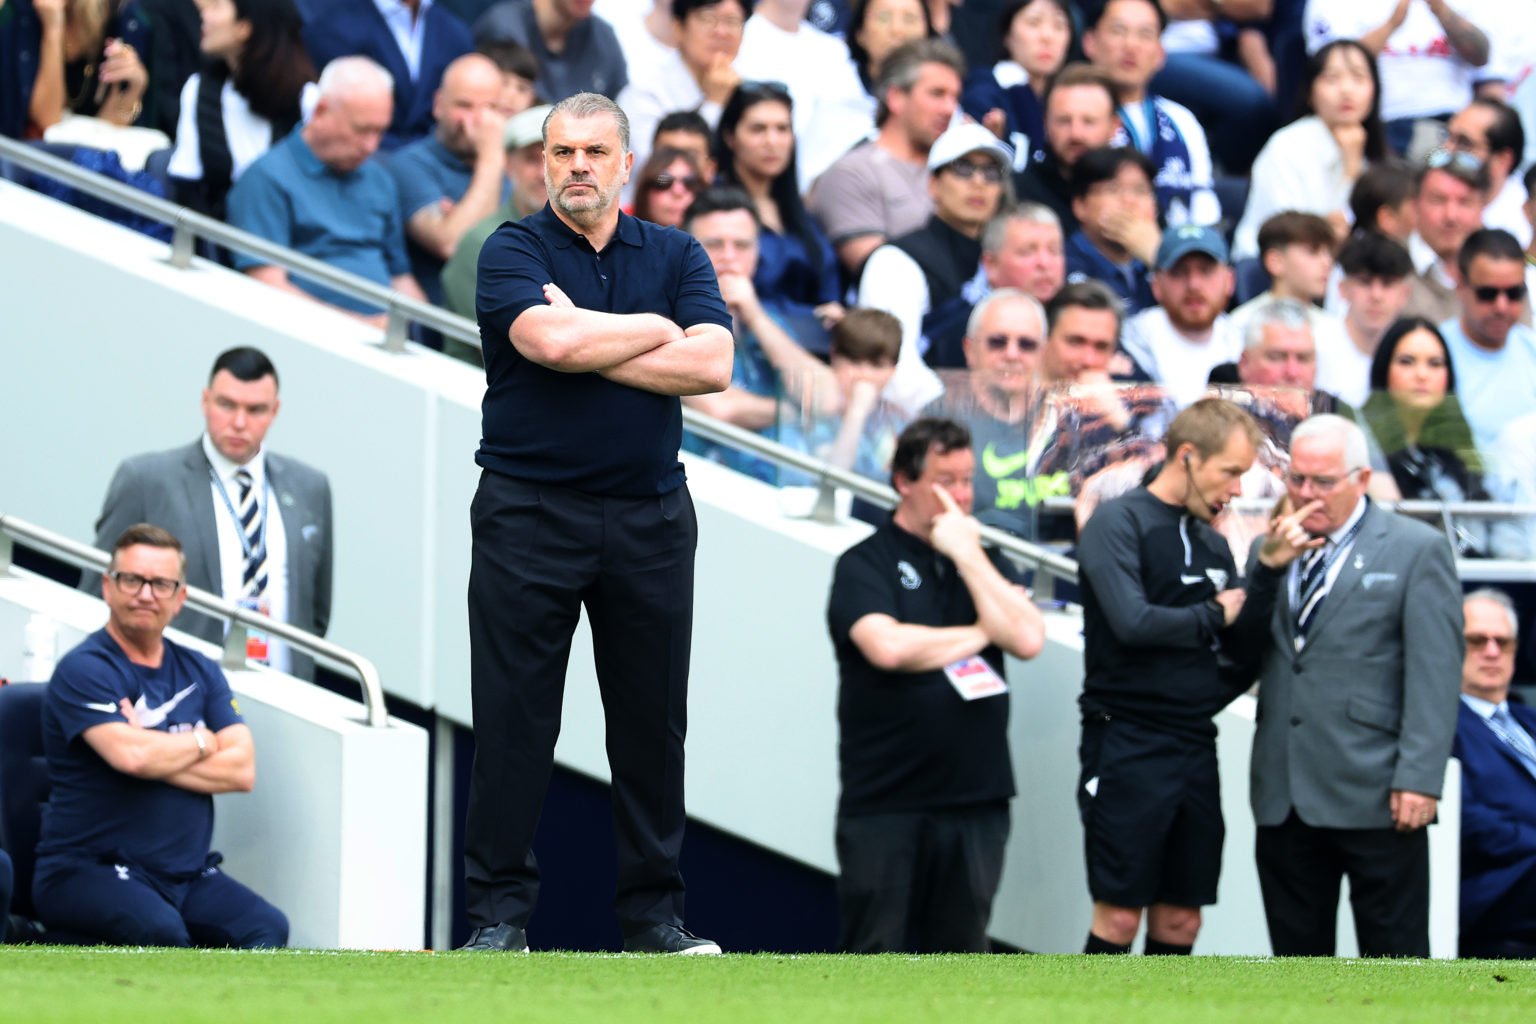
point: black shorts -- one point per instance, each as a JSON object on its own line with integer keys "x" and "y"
{"x": 1151, "y": 808}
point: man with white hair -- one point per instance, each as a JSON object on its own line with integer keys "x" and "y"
{"x": 1357, "y": 698}
{"x": 1496, "y": 744}
{"x": 320, "y": 192}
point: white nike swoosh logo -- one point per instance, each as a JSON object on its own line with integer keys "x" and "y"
{"x": 105, "y": 709}
{"x": 150, "y": 718}
{"x": 1190, "y": 580}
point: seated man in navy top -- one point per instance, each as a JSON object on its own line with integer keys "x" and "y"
{"x": 139, "y": 733}
{"x": 592, "y": 323}
{"x": 455, "y": 177}
{"x": 1115, "y": 205}
{"x": 319, "y": 191}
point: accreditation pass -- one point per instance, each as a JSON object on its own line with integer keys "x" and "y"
{"x": 974, "y": 679}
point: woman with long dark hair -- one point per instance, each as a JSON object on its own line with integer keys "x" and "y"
{"x": 755, "y": 149}
{"x": 248, "y": 95}
{"x": 1417, "y": 422}
{"x": 1311, "y": 164}
{"x": 877, "y": 27}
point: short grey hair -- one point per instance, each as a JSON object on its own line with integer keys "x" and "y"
{"x": 1499, "y": 598}
{"x": 590, "y": 104}
{"x": 973, "y": 325}
{"x": 996, "y": 231}
{"x": 1287, "y": 313}
{"x": 1345, "y": 433}
{"x": 348, "y": 76}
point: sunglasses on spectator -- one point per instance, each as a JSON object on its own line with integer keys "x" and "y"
{"x": 662, "y": 182}
{"x": 1490, "y": 293}
{"x": 1000, "y": 342}
{"x": 966, "y": 170}
{"x": 1441, "y": 158}
{"x": 1478, "y": 641}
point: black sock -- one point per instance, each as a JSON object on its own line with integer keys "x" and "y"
{"x": 1098, "y": 945}
{"x": 1156, "y": 947}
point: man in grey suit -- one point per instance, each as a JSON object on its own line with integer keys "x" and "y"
{"x": 219, "y": 495}
{"x": 1358, "y": 692}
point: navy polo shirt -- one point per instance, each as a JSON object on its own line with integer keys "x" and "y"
{"x": 94, "y": 810}
{"x": 581, "y": 430}
{"x": 351, "y": 221}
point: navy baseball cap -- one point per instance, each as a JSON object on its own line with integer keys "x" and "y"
{"x": 1181, "y": 241}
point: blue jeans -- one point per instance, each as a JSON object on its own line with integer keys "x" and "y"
{"x": 1238, "y": 115}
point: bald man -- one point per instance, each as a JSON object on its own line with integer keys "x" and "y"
{"x": 453, "y": 178}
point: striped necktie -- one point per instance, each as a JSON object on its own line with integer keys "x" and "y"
{"x": 253, "y": 580}
{"x": 1517, "y": 739}
{"x": 1309, "y": 596}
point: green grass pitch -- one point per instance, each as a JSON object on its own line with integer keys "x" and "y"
{"x": 171, "y": 986}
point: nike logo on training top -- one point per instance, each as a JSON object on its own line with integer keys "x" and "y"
{"x": 149, "y": 717}
{"x": 1188, "y": 580}
{"x": 997, "y": 466}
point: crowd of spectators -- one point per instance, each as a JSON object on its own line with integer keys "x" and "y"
{"x": 1203, "y": 161}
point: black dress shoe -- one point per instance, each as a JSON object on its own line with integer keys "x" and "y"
{"x": 500, "y": 938}
{"x": 670, "y": 938}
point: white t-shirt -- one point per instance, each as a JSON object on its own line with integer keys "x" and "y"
{"x": 1507, "y": 210}
{"x": 831, "y": 111}
{"x": 1421, "y": 75}
{"x": 1197, "y": 35}
{"x": 1180, "y": 365}
{"x": 249, "y": 135}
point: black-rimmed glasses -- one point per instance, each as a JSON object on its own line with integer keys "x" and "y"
{"x": 132, "y": 583}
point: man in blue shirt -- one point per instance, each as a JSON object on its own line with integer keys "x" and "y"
{"x": 592, "y": 323}
{"x": 139, "y": 734}
{"x": 453, "y": 178}
{"x": 1492, "y": 352}
{"x": 1116, "y": 209}
{"x": 318, "y": 191}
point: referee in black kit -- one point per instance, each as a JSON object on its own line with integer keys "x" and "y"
{"x": 593, "y": 323}
{"x": 1160, "y": 596}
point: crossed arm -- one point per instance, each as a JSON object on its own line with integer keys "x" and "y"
{"x": 641, "y": 350}
{"x": 176, "y": 758}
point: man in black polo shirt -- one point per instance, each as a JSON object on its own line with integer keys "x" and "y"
{"x": 593, "y": 323}
{"x": 920, "y": 616}
{"x": 1160, "y": 598}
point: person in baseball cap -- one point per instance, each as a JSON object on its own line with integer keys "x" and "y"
{"x": 918, "y": 277}
{"x": 1181, "y": 241}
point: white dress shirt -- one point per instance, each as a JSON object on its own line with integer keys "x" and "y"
{"x": 408, "y": 28}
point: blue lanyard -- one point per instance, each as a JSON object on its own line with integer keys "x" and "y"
{"x": 265, "y": 508}
{"x": 1341, "y": 549}
{"x": 1152, "y": 128}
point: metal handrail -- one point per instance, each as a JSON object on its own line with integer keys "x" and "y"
{"x": 829, "y": 477}
{"x": 188, "y": 225}
{"x": 84, "y": 556}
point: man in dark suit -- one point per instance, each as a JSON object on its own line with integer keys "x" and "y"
{"x": 256, "y": 526}
{"x": 413, "y": 39}
{"x": 1356, "y": 710}
{"x": 1496, "y": 742}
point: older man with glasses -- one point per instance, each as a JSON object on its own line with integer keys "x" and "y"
{"x": 1496, "y": 744}
{"x": 139, "y": 733}
{"x": 1357, "y": 700}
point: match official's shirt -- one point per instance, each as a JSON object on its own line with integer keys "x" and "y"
{"x": 93, "y": 809}
{"x": 581, "y": 430}
{"x": 1149, "y": 574}
{"x": 909, "y": 742}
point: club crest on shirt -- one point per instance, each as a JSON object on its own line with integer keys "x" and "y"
{"x": 909, "y": 577}
{"x": 1218, "y": 578}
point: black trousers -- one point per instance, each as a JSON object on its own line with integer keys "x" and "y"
{"x": 921, "y": 881}
{"x": 1300, "y": 868}
{"x": 540, "y": 554}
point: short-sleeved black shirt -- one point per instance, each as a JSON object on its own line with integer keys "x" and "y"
{"x": 909, "y": 742}
{"x": 580, "y": 430}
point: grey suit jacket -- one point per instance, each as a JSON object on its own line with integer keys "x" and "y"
{"x": 171, "y": 490}
{"x": 1369, "y": 705}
